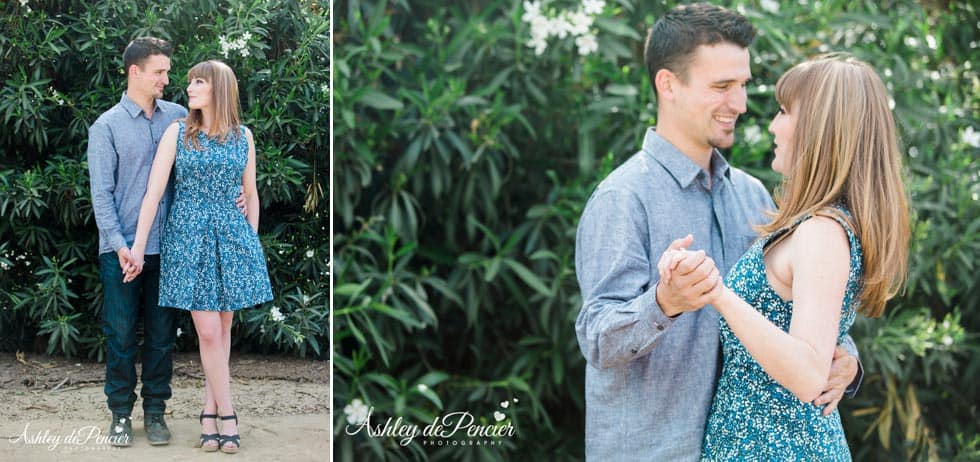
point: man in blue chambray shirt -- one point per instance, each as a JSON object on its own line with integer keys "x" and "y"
{"x": 121, "y": 146}
{"x": 653, "y": 349}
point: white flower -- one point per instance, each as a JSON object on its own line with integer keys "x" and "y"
{"x": 531, "y": 10}
{"x": 580, "y": 23}
{"x": 325, "y": 88}
{"x": 356, "y": 412}
{"x": 277, "y": 315}
{"x": 306, "y": 299}
{"x": 540, "y": 28}
{"x": 593, "y": 6}
{"x": 237, "y": 45}
{"x": 309, "y": 253}
{"x": 586, "y": 44}
{"x": 752, "y": 134}
{"x": 772, "y": 6}
{"x": 422, "y": 387}
{"x": 560, "y": 27}
{"x": 179, "y": 332}
{"x": 23, "y": 2}
{"x": 971, "y": 137}
{"x": 947, "y": 340}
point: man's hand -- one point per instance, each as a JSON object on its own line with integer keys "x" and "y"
{"x": 136, "y": 264}
{"x": 241, "y": 203}
{"x": 689, "y": 281}
{"x": 843, "y": 369}
{"x": 125, "y": 260}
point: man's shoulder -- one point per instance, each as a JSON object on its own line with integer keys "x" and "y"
{"x": 172, "y": 107}
{"x": 112, "y": 114}
{"x": 638, "y": 171}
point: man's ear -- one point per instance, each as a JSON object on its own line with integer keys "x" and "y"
{"x": 664, "y": 81}
{"x": 129, "y": 70}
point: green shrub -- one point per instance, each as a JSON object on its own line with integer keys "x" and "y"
{"x": 62, "y": 67}
{"x": 463, "y": 160}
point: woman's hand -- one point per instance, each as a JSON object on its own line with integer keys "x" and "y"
{"x": 136, "y": 263}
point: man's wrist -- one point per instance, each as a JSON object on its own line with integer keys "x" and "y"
{"x": 669, "y": 312}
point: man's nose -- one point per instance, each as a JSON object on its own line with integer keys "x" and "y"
{"x": 737, "y": 99}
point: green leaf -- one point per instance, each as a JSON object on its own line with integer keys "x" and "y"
{"x": 379, "y": 100}
{"x": 528, "y": 277}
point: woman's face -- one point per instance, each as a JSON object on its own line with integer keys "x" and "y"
{"x": 198, "y": 93}
{"x": 782, "y": 127}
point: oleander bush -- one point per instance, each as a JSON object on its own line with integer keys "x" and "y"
{"x": 62, "y": 67}
{"x": 469, "y": 136}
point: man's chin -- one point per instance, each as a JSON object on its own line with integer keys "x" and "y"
{"x": 722, "y": 143}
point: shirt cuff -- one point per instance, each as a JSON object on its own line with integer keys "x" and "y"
{"x": 117, "y": 241}
{"x": 652, "y": 313}
{"x": 852, "y": 389}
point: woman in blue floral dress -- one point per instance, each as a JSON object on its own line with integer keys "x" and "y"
{"x": 837, "y": 245}
{"x": 211, "y": 260}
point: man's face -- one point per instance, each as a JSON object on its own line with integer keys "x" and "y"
{"x": 713, "y": 96}
{"x": 150, "y": 78}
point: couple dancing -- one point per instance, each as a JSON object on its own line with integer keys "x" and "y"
{"x": 728, "y": 352}
{"x": 185, "y": 246}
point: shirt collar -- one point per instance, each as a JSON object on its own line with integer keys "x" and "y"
{"x": 134, "y": 109}
{"x": 681, "y": 168}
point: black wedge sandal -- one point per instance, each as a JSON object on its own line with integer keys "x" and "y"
{"x": 208, "y": 437}
{"x": 222, "y": 439}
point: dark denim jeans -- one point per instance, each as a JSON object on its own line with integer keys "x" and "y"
{"x": 120, "y": 311}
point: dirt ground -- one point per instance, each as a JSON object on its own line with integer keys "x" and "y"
{"x": 52, "y": 409}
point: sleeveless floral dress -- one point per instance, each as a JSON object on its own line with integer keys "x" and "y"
{"x": 210, "y": 258}
{"x": 752, "y": 416}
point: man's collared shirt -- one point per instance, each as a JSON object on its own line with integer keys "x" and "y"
{"x": 650, "y": 379}
{"x": 121, "y": 145}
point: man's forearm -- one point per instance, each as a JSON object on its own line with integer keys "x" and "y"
{"x": 612, "y": 333}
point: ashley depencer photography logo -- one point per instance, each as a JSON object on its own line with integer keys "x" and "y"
{"x": 455, "y": 428}
{"x": 86, "y": 438}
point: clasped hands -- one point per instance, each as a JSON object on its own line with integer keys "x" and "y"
{"x": 130, "y": 262}
{"x": 689, "y": 280}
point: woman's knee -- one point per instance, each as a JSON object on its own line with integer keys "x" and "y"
{"x": 208, "y": 328}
